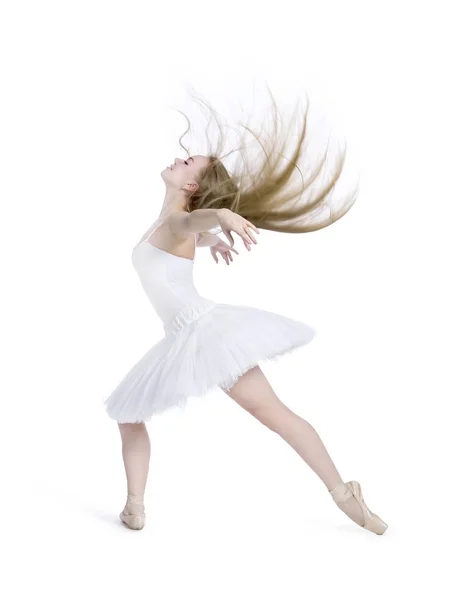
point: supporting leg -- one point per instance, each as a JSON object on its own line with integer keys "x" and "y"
{"x": 136, "y": 450}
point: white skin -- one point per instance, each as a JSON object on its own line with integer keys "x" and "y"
{"x": 252, "y": 391}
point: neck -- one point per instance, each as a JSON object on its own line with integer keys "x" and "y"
{"x": 174, "y": 201}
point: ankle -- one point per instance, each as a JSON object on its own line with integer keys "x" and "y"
{"x": 341, "y": 493}
{"x": 335, "y": 484}
{"x": 134, "y": 499}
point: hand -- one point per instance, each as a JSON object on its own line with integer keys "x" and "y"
{"x": 224, "y": 249}
{"x": 231, "y": 221}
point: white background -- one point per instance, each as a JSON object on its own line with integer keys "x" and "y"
{"x": 233, "y": 512}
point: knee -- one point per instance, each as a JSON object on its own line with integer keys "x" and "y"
{"x": 274, "y": 418}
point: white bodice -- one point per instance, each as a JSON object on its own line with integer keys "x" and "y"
{"x": 168, "y": 281}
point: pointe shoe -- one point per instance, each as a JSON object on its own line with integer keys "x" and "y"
{"x": 133, "y": 515}
{"x": 342, "y": 492}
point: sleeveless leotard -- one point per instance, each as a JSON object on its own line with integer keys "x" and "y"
{"x": 168, "y": 281}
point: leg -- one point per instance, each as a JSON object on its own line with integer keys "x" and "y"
{"x": 253, "y": 392}
{"x": 136, "y": 450}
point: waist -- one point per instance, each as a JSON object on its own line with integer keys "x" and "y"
{"x": 188, "y": 314}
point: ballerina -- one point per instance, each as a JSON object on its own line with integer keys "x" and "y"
{"x": 209, "y": 344}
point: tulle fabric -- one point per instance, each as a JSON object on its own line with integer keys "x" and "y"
{"x": 205, "y": 346}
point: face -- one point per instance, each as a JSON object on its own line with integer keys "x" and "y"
{"x": 182, "y": 174}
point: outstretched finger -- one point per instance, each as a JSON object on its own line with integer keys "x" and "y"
{"x": 250, "y": 224}
{"x": 247, "y": 244}
{"x": 249, "y": 233}
{"x": 229, "y": 237}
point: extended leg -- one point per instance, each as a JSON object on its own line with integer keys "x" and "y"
{"x": 254, "y": 393}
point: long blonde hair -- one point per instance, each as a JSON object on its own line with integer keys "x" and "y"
{"x": 266, "y": 194}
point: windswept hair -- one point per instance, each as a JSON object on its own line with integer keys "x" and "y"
{"x": 267, "y": 193}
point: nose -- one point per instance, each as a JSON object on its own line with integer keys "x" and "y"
{"x": 178, "y": 160}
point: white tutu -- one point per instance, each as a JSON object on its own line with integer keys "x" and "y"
{"x": 206, "y": 344}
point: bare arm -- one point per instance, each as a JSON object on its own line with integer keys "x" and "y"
{"x": 203, "y": 219}
{"x": 200, "y": 220}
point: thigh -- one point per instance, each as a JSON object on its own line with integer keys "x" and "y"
{"x": 253, "y": 392}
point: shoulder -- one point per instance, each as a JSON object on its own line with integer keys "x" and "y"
{"x": 178, "y": 224}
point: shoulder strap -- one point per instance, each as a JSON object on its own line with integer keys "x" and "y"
{"x": 150, "y": 231}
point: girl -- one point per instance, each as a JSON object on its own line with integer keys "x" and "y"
{"x": 209, "y": 344}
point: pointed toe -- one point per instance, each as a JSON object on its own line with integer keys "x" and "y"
{"x": 344, "y": 491}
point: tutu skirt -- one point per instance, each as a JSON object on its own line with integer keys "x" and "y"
{"x": 205, "y": 346}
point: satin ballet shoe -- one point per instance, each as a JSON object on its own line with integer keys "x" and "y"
{"x": 133, "y": 515}
{"x": 342, "y": 492}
